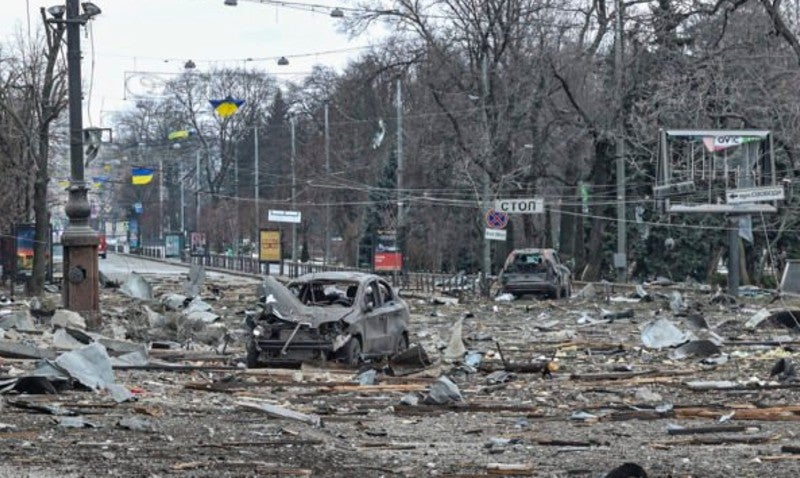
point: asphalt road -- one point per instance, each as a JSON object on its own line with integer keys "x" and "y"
{"x": 119, "y": 266}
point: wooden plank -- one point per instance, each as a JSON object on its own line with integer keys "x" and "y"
{"x": 510, "y": 469}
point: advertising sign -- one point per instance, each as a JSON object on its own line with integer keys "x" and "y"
{"x": 133, "y": 231}
{"x": 172, "y": 245}
{"x": 197, "y": 244}
{"x": 387, "y": 257}
{"x": 269, "y": 246}
{"x": 24, "y": 234}
{"x": 388, "y": 261}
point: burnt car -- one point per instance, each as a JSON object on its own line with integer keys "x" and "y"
{"x": 343, "y": 316}
{"x": 536, "y": 271}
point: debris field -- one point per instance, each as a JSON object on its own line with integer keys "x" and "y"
{"x": 672, "y": 380}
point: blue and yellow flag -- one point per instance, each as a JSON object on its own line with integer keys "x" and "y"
{"x": 226, "y": 107}
{"x": 141, "y": 176}
{"x": 181, "y": 134}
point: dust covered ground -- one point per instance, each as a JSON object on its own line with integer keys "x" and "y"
{"x": 609, "y": 399}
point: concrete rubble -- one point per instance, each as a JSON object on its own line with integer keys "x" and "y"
{"x": 658, "y": 379}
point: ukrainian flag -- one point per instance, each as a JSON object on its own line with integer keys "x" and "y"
{"x": 141, "y": 176}
{"x": 226, "y": 107}
{"x": 181, "y": 134}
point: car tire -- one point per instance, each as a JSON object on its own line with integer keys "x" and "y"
{"x": 557, "y": 293}
{"x": 568, "y": 293}
{"x": 351, "y": 352}
{"x": 252, "y": 355}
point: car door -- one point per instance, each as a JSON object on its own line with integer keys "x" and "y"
{"x": 395, "y": 314}
{"x": 374, "y": 335}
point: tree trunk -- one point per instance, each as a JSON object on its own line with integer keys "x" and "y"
{"x": 42, "y": 239}
{"x": 603, "y": 158}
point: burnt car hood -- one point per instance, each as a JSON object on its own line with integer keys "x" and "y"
{"x": 290, "y": 309}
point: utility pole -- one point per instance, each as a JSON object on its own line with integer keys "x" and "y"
{"x": 183, "y": 200}
{"x": 294, "y": 192}
{"x": 401, "y": 213}
{"x": 81, "y": 272}
{"x": 255, "y": 177}
{"x": 197, "y": 192}
{"x": 620, "y": 259}
{"x": 328, "y": 190}
{"x": 237, "y": 230}
{"x": 487, "y": 151}
{"x": 161, "y": 199}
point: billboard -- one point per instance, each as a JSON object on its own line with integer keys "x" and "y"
{"x": 269, "y": 245}
{"x": 386, "y": 257}
{"x": 388, "y": 261}
{"x": 197, "y": 244}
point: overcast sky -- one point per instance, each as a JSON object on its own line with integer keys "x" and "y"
{"x": 160, "y": 35}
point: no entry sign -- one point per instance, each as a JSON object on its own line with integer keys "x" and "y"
{"x": 496, "y": 219}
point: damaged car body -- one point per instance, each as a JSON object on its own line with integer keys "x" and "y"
{"x": 536, "y": 271}
{"x": 344, "y": 316}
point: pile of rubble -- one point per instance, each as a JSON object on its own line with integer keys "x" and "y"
{"x": 648, "y": 380}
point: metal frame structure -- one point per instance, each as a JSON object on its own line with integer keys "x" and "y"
{"x": 701, "y": 168}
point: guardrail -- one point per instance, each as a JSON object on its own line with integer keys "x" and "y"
{"x": 420, "y": 281}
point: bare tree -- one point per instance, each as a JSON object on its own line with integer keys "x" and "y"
{"x": 33, "y": 95}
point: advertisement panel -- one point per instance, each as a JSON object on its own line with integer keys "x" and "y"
{"x": 269, "y": 245}
{"x": 388, "y": 261}
{"x": 133, "y": 232}
{"x": 172, "y": 245}
{"x": 386, "y": 256}
{"x": 197, "y": 244}
{"x": 25, "y": 235}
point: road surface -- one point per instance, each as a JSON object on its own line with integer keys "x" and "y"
{"x": 118, "y": 267}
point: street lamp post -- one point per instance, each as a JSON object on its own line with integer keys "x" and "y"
{"x": 81, "y": 277}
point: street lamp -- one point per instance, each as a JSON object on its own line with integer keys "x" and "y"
{"x": 81, "y": 272}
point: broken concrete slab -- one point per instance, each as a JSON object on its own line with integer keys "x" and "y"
{"x": 589, "y": 291}
{"x": 455, "y": 347}
{"x": 21, "y": 320}
{"x": 62, "y": 340}
{"x": 174, "y": 301}
{"x": 757, "y": 318}
{"x": 695, "y": 348}
{"x": 137, "y": 287}
{"x": 197, "y": 305}
{"x": 443, "y": 392}
{"x": 67, "y": 318}
{"x": 661, "y": 334}
{"x": 12, "y": 349}
{"x": 91, "y": 366}
{"x": 203, "y": 317}
{"x": 154, "y": 319}
{"x": 194, "y": 283}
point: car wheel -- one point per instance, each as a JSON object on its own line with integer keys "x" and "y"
{"x": 252, "y": 355}
{"x": 557, "y": 293}
{"x": 351, "y": 352}
{"x": 568, "y": 293}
